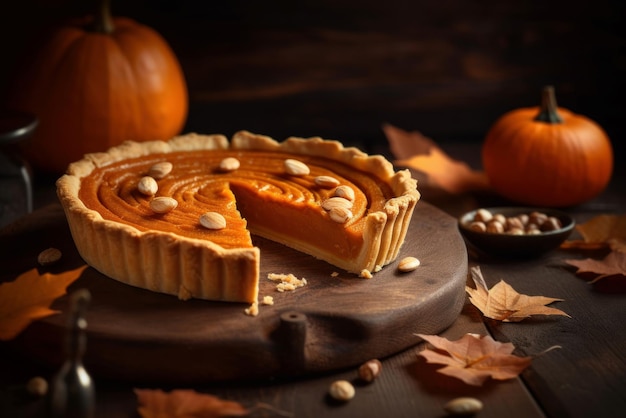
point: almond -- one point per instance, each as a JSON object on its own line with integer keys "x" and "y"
{"x": 346, "y": 192}
{"x": 229, "y": 164}
{"x": 340, "y": 215}
{"x": 163, "y": 204}
{"x": 148, "y": 186}
{"x": 212, "y": 220}
{"x": 408, "y": 264}
{"x": 326, "y": 181}
{"x": 160, "y": 170}
{"x": 49, "y": 256}
{"x": 336, "y": 202}
{"x": 296, "y": 168}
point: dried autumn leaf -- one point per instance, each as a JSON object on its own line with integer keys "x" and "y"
{"x": 614, "y": 264}
{"x": 416, "y": 151}
{"x": 474, "y": 358}
{"x": 599, "y": 232}
{"x": 28, "y": 298}
{"x": 185, "y": 403}
{"x": 404, "y": 144}
{"x": 503, "y": 303}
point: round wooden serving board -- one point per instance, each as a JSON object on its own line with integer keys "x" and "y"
{"x": 329, "y": 324}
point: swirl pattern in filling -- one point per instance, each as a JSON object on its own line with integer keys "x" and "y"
{"x": 260, "y": 187}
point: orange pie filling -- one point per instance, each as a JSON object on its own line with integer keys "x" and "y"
{"x": 118, "y": 232}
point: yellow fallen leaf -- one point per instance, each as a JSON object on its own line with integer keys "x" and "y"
{"x": 28, "y": 298}
{"x": 413, "y": 150}
{"x": 602, "y": 231}
{"x": 474, "y": 358}
{"x": 185, "y": 403}
{"x": 504, "y": 303}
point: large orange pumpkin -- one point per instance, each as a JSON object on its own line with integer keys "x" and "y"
{"x": 96, "y": 82}
{"x": 547, "y": 156}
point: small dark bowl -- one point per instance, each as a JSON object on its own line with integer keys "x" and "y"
{"x": 516, "y": 246}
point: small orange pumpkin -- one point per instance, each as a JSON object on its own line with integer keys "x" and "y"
{"x": 547, "y": 156}
{"x": 97, "y": 82}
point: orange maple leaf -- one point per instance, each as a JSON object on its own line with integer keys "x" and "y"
{"x": 28, "y": 298}
{"x": 602, "y": 231}
{"x": 614, "y": 264}
{"x": 414, "y": 150}
{"x": 474, "y": 358}
{"x": 504, "y": 303}
{"x": 185, "y": 403}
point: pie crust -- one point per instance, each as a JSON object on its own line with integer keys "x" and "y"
{"x": 116, "y": 233}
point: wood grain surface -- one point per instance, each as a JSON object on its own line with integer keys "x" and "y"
{"x": 331, "y": 323}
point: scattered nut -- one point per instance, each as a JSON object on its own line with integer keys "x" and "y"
{"x": 495, "y": 227}
{"x": 229, "y": 164}
{"x": 513, "y": 223}
{"x": 370, "y": 370}
{"x": 163, "y": 204}
{"x": 326, "y": 181}
{"x": 550, "y": 224}
{"x": 463, "y": 406}
{"x": 408, "y": 264}
{"x": 341, "y": 390}
{"x": 49, "y": 256}
{"x": 483, "y": 215}
{"x": 478, "y": 226}
{"x": 37, "y": 386}
{"x": 498, "y": 217}
{"x": 523, "y": 218}
{"x": 346, "y": 192}
{"x": 147, "y": 185}
{"x": 212, "y": 220}
{"x": 532, "y": 227}
{"x": 296, "y": 168}
{"x": 160, "y": 170}
{"x": 537, "y": 218}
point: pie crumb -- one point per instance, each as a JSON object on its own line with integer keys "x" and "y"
{"x": 268, "y": 300}
{"x": 286, "y": 281}
{"x": 365, "y": 273}
{"x": 378, "y": 268}
{"x": 253, "y": 310}
{"x": 334, "y": 274}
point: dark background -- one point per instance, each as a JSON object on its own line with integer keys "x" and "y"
{"x": 339, "y": 69}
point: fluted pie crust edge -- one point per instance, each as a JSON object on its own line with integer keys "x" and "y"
{"x": 169, "y": 263}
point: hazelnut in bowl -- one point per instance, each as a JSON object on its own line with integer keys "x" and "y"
{"x": 515, "y": 231}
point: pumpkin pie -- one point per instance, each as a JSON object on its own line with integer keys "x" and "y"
{"x": 177, "y": 216}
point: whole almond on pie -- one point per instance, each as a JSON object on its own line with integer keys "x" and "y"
{"x": 296, "y": 167}
{"x": 212, "y": 220}
{"x": 160, "y": 170}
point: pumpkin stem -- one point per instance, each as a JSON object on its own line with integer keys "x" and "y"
{"x": 549, "y": 111}
{"x": 103, "y": 21}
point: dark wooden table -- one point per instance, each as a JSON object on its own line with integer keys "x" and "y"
{"x": 585, "y": 377}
